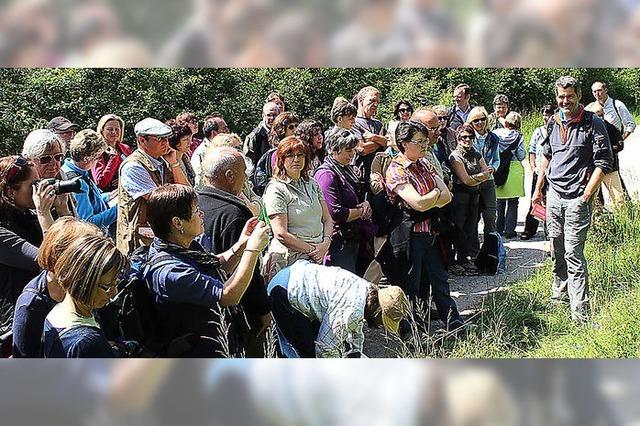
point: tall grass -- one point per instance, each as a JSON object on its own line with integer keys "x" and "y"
{"x": 521, "y": 321}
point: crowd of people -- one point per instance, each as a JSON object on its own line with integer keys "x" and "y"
{"x": 194, "y": 247}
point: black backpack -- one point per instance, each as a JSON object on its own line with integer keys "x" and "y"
{"x": 492, "y": 256}
{"x": 137, "y": 316}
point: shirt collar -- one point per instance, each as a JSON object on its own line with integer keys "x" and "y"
{"x": 403, "y": 161}
{"x": 156, "y": 162}
{"x": 71, "y": 165}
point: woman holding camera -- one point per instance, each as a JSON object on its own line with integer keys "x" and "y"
{"x": 190, "y": 285}
{"x": 20, "y": 229}
{"x": 88, "y": 271}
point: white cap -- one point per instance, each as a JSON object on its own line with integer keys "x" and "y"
{"x": 152, "y": 127}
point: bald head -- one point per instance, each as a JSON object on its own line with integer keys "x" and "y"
{"x": 429, "y": 119}
{"x": 224, "y": 168}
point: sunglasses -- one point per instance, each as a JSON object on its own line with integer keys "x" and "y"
{"x": 479, "y": 120}
{"x": 442, "y": 118}
{"x": 46, "y": 159}
{"x": 404, "y": 110}
{"x": 18, "y": 165}
{"x": 466, "y": 137}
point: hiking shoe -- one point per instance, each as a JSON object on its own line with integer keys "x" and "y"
{"x": 457, "y": 270}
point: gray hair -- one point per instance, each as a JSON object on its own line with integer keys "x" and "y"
{"x": 86, "y": 144}
{"x": 366, "y": 91}
{"x": 441, "y": 109}
{"x": 218, "y": 160}
{"x": 567, "y": 81}
{"x": 40, "y": 141}
{"x": 340, "y": 139}
{"x": 501, "y": 99}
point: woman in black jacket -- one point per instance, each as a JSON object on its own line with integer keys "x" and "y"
{"x": 20, "y": 229}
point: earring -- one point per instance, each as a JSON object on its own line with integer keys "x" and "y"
{"x": 181, "y": 231}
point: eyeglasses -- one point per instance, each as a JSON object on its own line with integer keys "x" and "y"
{"x": 404, "y": 110}
{"x": 46, "y": 159}
{"x": 479, "y": 120}
{"x": 442, "y": 118}
{"x": 107, "y": 288}
{"x": 18, "y": 165}
{"x": 418, "y": 141}
{"x": 292, "y": 126}
{"x": 466, "y": 137}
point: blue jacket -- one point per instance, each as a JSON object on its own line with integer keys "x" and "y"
{"x": 91, "y": 204}
{"x": 489, "y": 149}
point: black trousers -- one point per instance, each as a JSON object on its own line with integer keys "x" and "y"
{"x": 299, "y": 330}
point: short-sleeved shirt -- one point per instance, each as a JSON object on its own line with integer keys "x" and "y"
{"x": 470, "y": 160}
{"x": 419, "y": 174}
{"x": 32, "y": 308}
{"x": 535, "y": 145}
{"x": 136, "y": 179}
{"x": 300, "y": 200}
{"x": 572, "y": 160}
{"x": 68, "y": 335}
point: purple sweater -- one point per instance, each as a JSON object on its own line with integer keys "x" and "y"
{"x": 340, "y": 196}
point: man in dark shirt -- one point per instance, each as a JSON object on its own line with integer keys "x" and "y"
{"x": 459, "y": 112}
{"x": 369, "y": 129}
{"x": 576, "y": 156}
{"x": 225, "y": 215}
{"x": 257, "y": 142}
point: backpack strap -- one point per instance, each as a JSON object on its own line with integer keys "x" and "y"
{"x": 615, "y": 108}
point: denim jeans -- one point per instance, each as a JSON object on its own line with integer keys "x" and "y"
{"x": 297, "y": 334}
{"x": 344, "y": 254}
{"x": 427, "y": 268}
{"x": 506, "y": 223}
{"x": 568, "y": 221}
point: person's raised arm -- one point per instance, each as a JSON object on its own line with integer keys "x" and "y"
{"x": 237, "y": 284}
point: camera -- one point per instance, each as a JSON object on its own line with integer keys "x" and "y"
{"x": 61, "y": 186}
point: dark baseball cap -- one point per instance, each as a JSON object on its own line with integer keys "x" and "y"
{"x": 60, "y": 124}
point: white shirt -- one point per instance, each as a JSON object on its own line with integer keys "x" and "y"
{"x": 622, "y": 118}
{"x": 336, "y": 298}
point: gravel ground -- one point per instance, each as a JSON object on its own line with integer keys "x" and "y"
{"x": 523, "y": 257}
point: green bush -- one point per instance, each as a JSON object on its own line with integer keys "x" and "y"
{"x": 30, "y": 97}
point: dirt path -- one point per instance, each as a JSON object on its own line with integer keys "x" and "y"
{"x": 523, "y": 257}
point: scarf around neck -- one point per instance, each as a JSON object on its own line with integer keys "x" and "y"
{"x": 195, "y": 254}
{"x": 564, "y": 130}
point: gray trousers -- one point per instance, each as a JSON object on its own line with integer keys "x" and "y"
{"x": 568, "y": 222}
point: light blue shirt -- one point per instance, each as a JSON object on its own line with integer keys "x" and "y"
{"x": 136, "y": 180}
{"x": 91, "y": 204}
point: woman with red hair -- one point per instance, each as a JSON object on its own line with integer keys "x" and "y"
{"x": 300, "y": 220}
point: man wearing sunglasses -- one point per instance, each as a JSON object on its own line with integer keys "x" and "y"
{"x": 153, "y": 164}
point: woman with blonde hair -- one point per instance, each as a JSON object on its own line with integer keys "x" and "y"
{"x": 44, "y": 292}
{"x": 487, "y": 144}
{"x": 105, "y": 172}
{"x": 88, "y": 271}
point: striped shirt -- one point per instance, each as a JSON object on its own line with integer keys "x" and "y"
{"x": 419, "y": 174}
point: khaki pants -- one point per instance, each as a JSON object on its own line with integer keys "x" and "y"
{"x": 612, "y": 189}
